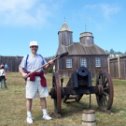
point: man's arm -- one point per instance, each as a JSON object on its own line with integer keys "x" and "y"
{"x": 22, "y": 66}
{"x": 51, "y": 62}
{"x": 23, "y": 73}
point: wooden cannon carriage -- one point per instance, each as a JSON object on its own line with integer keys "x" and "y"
{"x": 80, "y": 83}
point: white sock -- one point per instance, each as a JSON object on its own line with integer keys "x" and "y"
{"x": 29, "y": 114}
{"x": 44, "y": 111}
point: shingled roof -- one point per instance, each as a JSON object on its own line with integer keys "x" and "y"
{"x": 80, "y": 49}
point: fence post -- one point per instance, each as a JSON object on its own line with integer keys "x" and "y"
{"x": 109, "y": 66}
{"x": 119, "y": 68}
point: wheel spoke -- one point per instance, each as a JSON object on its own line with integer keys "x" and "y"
{"x": 106, "y": 88}
{"x": 106, "y": 81}
{"x": 105, "y": 102}
{"x": 105, "y": 94}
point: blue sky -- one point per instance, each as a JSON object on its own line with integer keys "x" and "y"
{"x": 24, "y": 20}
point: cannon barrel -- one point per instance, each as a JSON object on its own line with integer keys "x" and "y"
{"x": 83, "y": 72}
{"x": 80, "y": 78}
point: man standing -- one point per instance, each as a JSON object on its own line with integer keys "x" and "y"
{"x": 36, "y": 82}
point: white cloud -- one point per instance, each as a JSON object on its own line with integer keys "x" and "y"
{"x": 12, "y": 5}
{"x": 25, "y": 12}
{"x": 106, "y": 10}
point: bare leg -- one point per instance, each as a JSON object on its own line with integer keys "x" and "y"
{"x": 0, "y": 84}
{"x": 5, "y": 84}
{"x": 29, "y": 104}
{"x": 43, "y": 103}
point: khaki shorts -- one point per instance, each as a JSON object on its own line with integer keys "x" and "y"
{"x": 34, "y": 88}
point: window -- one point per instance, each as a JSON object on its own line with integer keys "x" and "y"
{"x": 69, "y": 63}
{"x": 83, "y": 62}
{"x": 97, "y": 62}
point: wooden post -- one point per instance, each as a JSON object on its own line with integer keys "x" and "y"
{"x": 119, "y": 68}
{"x": 109, "y": 66}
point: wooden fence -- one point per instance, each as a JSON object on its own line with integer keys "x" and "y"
{"x": 117, "y": 67}
{"x": 12, "y": 62}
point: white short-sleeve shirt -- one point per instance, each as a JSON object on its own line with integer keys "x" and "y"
{"x": 2, "y": 72}
{"x": 31, "y": 63}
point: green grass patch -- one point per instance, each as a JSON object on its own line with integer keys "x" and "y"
{"x": 13, "y": 111}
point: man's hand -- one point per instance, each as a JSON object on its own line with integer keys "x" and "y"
{"x": 25, "y": 75}
{"x": 51, "y": 62}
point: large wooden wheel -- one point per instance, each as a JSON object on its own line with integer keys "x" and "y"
{"x": 104, "y": 94}
{"x": 57, "y": 92}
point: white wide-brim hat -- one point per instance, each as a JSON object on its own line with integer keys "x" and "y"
{"x": 33, "y": 43}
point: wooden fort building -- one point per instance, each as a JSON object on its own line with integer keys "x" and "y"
{"x": 83, "y": 53}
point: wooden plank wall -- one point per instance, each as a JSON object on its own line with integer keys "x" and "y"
{"x": 76, "y": 64}
{"x": 12, "y": 62}
{"x": 117, "y": 67}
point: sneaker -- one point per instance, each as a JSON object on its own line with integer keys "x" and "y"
{"x": 29, "y": 120}
{"x": 46, "y": 117}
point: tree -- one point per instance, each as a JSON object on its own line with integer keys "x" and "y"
{"x": 112, "y": 51}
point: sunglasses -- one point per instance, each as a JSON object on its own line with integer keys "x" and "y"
{"x": 34, "y": 47}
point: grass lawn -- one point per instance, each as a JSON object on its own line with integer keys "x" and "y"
{"x": 13, "y": 111}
